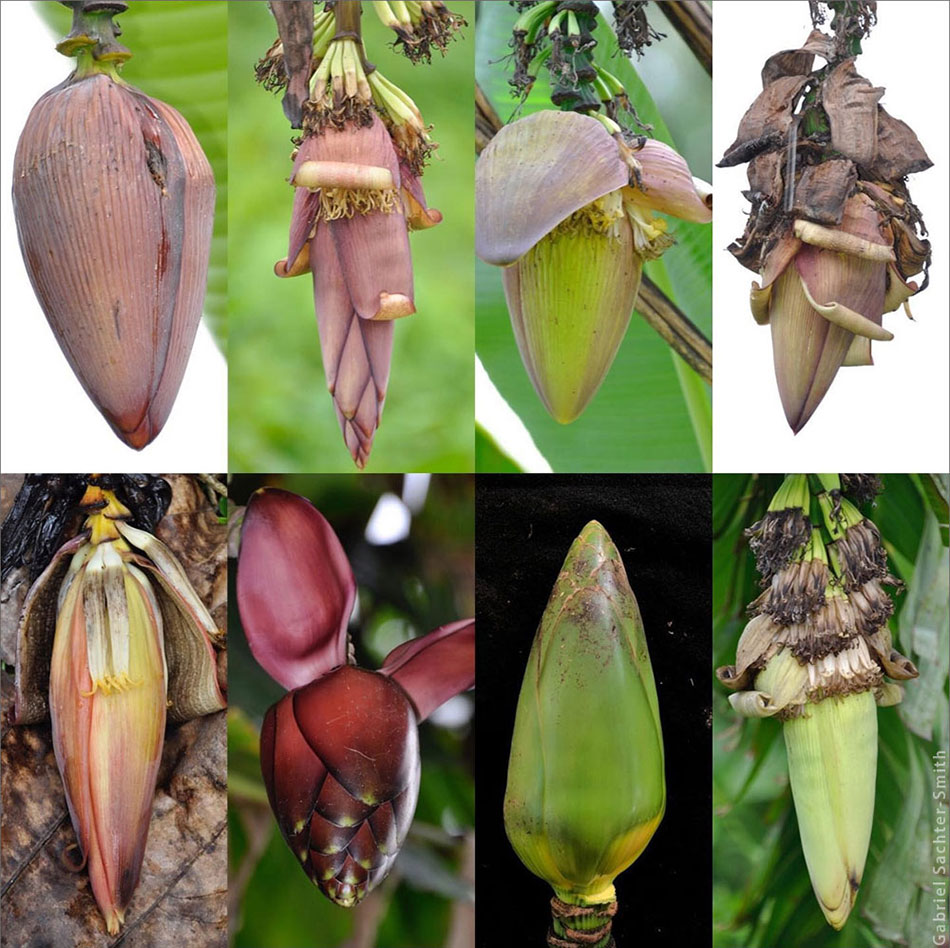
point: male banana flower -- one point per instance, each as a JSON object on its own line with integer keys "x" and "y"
{"x": 586, "y": 787}
{"x": 815, "y": 656}
{"x": 569, "y": 210}
{"x": 114, "y": 205}
{"x": 833, "y": 232}
{"x": 357, "y": 195}
{"x": 340, "y": 751}
{"x": 113, "y": 639}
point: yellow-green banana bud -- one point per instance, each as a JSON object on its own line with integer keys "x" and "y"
{"x": 832, "y": 767}
{"x": 586, "y": 787}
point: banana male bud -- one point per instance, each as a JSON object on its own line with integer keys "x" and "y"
{"x": 114, "y": 205}
{"x": 568, "y": 208}
{"x": 586, "y": 787}
{"x": 116, "y": 639}
{"x": 815, "y": 655}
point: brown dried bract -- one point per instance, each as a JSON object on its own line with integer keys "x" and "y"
{"x": 814, "y": 138}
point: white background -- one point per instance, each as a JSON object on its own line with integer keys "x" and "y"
{"x": 46, "y": 420}
{"x": 892, "y": 416}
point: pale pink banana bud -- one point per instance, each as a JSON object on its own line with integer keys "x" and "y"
{"x": 116, "y": 640}
{"x": 114, "y": 205}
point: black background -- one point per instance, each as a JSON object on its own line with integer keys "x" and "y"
{"x": 661, "y": 526}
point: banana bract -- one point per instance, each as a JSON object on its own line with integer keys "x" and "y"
{"x": 114, "y": 636}
{"x": 569, "y": 211}
{"x": 815, "y": 655}
{"x": 586, "y": 787}
{"x": 114, "y": 205}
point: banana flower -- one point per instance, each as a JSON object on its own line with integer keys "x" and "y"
{"x": 815, "y": 655}
{"x": 114, "y": 205}
{"x": 340, "y": 751}
{"x": 569, "y": 211}
{"x": 113, "y": 640}
{"x": 833, "y": 232}
{"x": 357, "y": 194}
{"x": 586, "y": 787}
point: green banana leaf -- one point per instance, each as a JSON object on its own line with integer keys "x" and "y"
{"x": 490, "y": 457}
{"x": 179, "y": 55}
{"x": 652, "y": 412}
{"x": 761, "y": 891}
{"x": 281, "y": 417}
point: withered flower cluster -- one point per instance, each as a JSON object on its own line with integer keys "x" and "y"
{"x": 559, "y": 34}
{"x": 358, "y": 192}
{"x": 823, "y": 601}
{"x": 832, "y": 233}
{"x": 815, "y": 655}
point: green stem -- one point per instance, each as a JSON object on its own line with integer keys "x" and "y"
{"x": 92, "y": 39}
{"x": 581, "y": 925}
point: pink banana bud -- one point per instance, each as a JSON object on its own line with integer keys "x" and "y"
{"x": 111, "y": 642}
{"x": 354, "y": 204}
{"x": 114, "y": 204}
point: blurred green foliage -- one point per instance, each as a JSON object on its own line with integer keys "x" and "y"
{"x": 652, "y": 413}
{"x": 405, "y": 590}
{"x": 179, "y": 55}
{"x": 281, "y": 415}
{"x": 762, "y": 896}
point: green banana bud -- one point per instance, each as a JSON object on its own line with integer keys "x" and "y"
{"x": 815, "y": 655}
{"x": 586, "y": 787}
{"x": 832, "y": 767}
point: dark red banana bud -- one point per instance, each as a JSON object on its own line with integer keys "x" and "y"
{"x": 340, "y": 759}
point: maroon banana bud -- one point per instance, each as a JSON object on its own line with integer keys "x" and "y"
{"x": 114, "y": 204}
{"x": 340, "y": 754}
{"x": 340, "y": 758}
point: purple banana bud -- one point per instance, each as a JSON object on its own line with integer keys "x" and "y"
{"x": 340, "y": 759}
